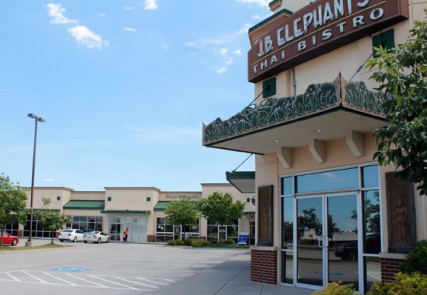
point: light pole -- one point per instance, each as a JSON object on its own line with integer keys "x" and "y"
{"x": 30, "y": 234}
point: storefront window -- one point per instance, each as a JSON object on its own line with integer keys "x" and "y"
{"x": 370, "y": 177}
{"x": 164, "y": 230}
{"x": 371, "y": 222}
{"x": 288, "y": 224}
{"x": 328, "y": 181}
{"x": 87, "y": 223}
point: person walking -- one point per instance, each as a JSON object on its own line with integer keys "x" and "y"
{"x": 125, "y": 235}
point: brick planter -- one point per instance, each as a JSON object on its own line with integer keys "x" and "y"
{"x": 264, "y": 265}
{"x": 390, "y": 265}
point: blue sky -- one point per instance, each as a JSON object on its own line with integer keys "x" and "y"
{"x": 124, "y": 87}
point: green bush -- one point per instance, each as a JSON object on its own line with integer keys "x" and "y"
{"x": 405, "y": 284}
{"x": 199, "y": 243}
{"x": 416, "y": 260}
{"x": 175, "y": 243}
{"x": 337, "y": 288}
{"x": 187, "y": 242}
{"x": 230, "y": 242}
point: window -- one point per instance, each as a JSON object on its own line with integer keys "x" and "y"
{"x": 109, "y": 199}
{"x": 148, "y": 199}
{"x": 269, "y": 87}
{"x": 87, "y": 223}
{"x": 384, "y": 39}
{"x": 58, "y": 198}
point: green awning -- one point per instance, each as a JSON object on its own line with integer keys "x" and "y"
{"x": 85, "y": 205}
{"x": 244, "y": 181}
{"x": 133, "y": 212}
{"x": 161, "y": 205}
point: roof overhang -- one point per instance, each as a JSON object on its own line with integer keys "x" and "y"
{"x": 324, "y": 127}
{"x": 243, "y": 181}
{"x": 324, "y": 112}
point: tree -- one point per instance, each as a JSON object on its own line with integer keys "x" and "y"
{"x": 402, "y": 74}
{"x": 50, "y": 219}
{"x": 182, "y": 212}
{"x": 12, "y": 203}
{"x": 219, "y": 208}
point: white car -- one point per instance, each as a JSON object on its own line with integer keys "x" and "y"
{"x": 72, "y": 235}
{"x": 96, "y": 237}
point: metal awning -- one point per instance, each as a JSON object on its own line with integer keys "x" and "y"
{"x": 244, "y": 181}
{"x": 161, "y": 205}
{"x": 85, "y": 205}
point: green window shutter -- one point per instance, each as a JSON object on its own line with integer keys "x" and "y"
{"x": 269, "y": 87}
{"x": 148, "y": 199}
{"x": 58, "y": 198}
{"x": 384, "y": 39}
{"x": 109, "y": 199}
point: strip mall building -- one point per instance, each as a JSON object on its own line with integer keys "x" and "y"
{"x": 140, "y": 209}
{"x": 325, "y": 210}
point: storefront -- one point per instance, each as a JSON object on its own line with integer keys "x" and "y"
{"x": 325, "y": 210}
{"x": 139, "y": 209}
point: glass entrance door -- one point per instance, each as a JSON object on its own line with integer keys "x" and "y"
{"x": 310, "y": 243}
{"x": 342, "y": 239}
{"x": 327, "y": 239}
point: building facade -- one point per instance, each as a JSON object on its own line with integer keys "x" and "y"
{"x": 140, "y": 209}
{"x": 325, "y": 210}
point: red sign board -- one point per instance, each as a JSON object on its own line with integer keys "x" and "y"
{"x": 322, "y": 26}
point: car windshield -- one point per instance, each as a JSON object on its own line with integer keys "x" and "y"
{"x": 95, "y": 232}
{"x": 68, "y": 231}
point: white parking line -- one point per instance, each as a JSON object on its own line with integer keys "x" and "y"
{"x": 87, "y": 281}
{"x": 151, "y": 281}
{"x": 59, "y": 279}
{"x": 111, "y": 282}
{"x": 34, "y": 277}
{"x": 137, "y": 283}
{"x": 80, "y": 280}
{"x": 13, "y": 277}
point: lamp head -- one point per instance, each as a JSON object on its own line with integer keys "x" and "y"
{"x": 32, "y": 116}
{"x": 40, "y": 119}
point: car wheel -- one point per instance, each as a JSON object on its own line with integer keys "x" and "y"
{"x": 99, "y": 240}
{"x": 14, "y": 242}
{"x": 61, "y": 241}
{"x": 75, "y": 239}
{"x": 85, "y": 241}
{"x": 108, "y": 240}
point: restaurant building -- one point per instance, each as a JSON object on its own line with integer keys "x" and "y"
{"x": 325, "y": 210}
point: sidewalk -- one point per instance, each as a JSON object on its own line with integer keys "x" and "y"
{"x": 228, "y": 278}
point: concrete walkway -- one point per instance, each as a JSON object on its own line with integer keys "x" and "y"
{"x": 228, "y": 278}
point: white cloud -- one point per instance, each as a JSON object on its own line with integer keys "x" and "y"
{"x": 56, "y": 12}
{"x": 237, "y": 52}
{"x": 128, "y": 29}
{"x": 129, "y": 8}
{"x": 222, "y": 69}
{"x": 151, "y": 4}
{"x": 223, "y": 51}
{"x": 86, "y": 37}
{"x": 102, "y": 14}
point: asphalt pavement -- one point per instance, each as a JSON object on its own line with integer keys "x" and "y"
{"x": 228, "y": 277}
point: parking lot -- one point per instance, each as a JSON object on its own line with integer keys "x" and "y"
{"x": 113, "y": 268}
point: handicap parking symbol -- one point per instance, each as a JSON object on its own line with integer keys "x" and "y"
{"x": 70, "y": 269}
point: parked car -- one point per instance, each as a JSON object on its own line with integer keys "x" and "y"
{"x": 72, "y": 235}
{"x": 349, "y": 250}
{"x": 96, "y": 237}
{"x": 8, "y": 239}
